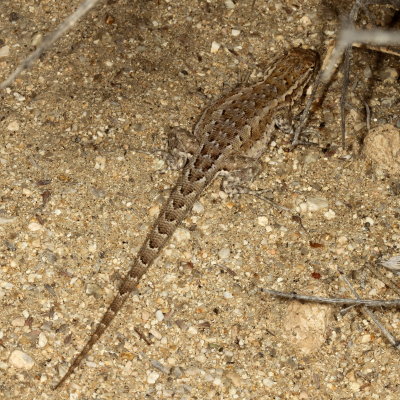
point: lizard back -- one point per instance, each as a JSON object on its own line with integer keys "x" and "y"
{"x": 232, "y": 125}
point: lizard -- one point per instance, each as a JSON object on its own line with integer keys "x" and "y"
{"x": 231, "y": 132}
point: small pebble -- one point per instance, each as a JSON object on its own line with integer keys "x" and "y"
{"x": 389, "y": 75}
{"x": 4, "y": 51}
{"x": 198, "y": 208}
{"x": 235, "y": 32}
{"x": 224, "y": 253}
{"x": 36, "y": 39}
{"x": 159, "y": 315}
{"x": 152, "y": 377}
{"x": 365, "y": 338}
{"x": 268, "y": 382}
{"x": 18, "y": 96}
{"x": 161, "y": 367}
{"x": 34, "y": 226}
{"x": 215, "y": 47}
{"x": 229, "y": 4}
{"x": 100, "y": 163}
{"x": 228, "y": 295}
{"x": 217, "y": 381}
{"x": 235, "y": 378}
{"x": 154, "y": 210}
{"x": 13, "y": 126}
{"x": 19, "y": 321}
{"x": 316, "y": 203}
{"x": 305, "y": 20}
{"x": 182, "y": 235}
{"x": 19, "y": 359}
{"x": 329, "y": 215}
{"x": 192, "y": 330}
{"x": 262, "y": 221}
{"x": 156, "y": 334}
{"x": 42, "y": 340}
{"x": 382, "y": 148}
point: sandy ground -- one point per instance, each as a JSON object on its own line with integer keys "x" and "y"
{"x": 77, "y": 199}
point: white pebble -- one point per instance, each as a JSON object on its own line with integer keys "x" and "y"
{"x": 19, "y": 359}
{"x": 329, "y": 215}
{"x": 182, "y": 235}
{"x": 305, "y": 20}
{"x": 217, "y": 381}
{"x": 36, "y": 39}
{"x": 152, "y": 377}
{"x": 4, "y": 51}
{"x": 235, "y": 32}
{"x": 192, "y": 330}
{"x": 224, "y": 253}
{"x": 198, "y": 208}
{"x": 154, "y": 211}
{"x": 215, "y": 47}
{"x": 268, "y": 382}
{"x": 42, "y": 340}
{"x": 229, "y": 4}
{"x": 159, "y": 315}
{"x": 18, "y": 96}
{"x": 92, "y": 247}
{"x": 156, "y": 334}
{"x": 34, "y": 226}
{"x": 316, "y": 203}
{"x": 100, "y": 163}
{"x": 263, "y": 220}
{"x": 228, "y": 295}
{"x": 19, "y": 321}
{"x": 13, "y": 126}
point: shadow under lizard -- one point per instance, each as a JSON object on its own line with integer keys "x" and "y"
{"x": 236, "y": 126}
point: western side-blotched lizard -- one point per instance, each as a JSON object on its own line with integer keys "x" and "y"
{"x": 236, "y": 127}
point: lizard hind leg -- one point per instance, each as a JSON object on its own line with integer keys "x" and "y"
{"x": 242, "y": 171}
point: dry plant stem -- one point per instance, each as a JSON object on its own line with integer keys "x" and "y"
{"x": 336, "y": 301}
{"x": 343, "y": 95}
{"x": 67, "y": 24}
{"x": 383, "y": 278}
{"x": 380, "y": 49}
{"x": 348, "y": 36}
{"x": 369, "y": 314}
{"x": 368, "y": 116}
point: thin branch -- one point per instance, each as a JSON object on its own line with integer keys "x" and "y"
{"x": 349, "y": 35}
{"x": 388, "y": 282}
{"x": 67, "y": 24}
{"x": 337, "y": 301}
{"x": 368, "y": 313}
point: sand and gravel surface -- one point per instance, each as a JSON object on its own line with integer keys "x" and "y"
{"x": 80, "y": 183}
